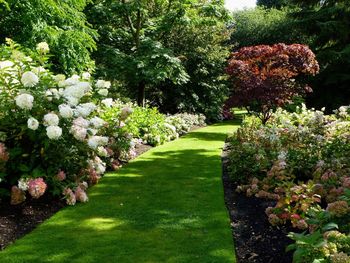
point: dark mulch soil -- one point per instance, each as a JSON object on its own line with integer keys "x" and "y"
{"x": 18, "y": 220}
{"x": 256, "y": 241}
{"x": 141, "y": 148}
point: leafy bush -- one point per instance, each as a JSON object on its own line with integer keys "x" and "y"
{"x": 302, "y": 161}
{"x": 148, "y": 124}
{"x": 62, "y": 24}
{"x": 264, "y": 77}
{"x": 184, "y": 122}
{"x": 51, "y": 137}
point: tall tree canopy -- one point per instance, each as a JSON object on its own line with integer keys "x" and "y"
{"x": 328, "y": 24}
{"x": 62, "y": 24}
{"x": 172, "y": 48}
{"x": 272, "y": 3}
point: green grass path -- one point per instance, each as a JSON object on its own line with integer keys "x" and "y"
{"x": 165, "y": 206}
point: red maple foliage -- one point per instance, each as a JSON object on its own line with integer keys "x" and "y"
{"x": 265, "y": 77}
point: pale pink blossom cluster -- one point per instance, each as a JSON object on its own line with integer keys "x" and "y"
{"x": 338, "y": 208}
{"x": 4, "y": 156}
{"x": 69, "y": 196}
{"x": 61, "y": 176}
{"x": 36, "y": 187}
{"x": 79, "y": 195}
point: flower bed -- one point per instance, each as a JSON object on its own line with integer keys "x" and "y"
{"x": 60, "y": 134}
{"x": 302, "y": 161}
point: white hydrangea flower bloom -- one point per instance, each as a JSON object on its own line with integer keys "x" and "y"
{"x": 89, "y": 105}
{"x": 53, "y": 132}
{"x": 100, "y": 84}
{"x": 81, "y": 111}
{"x": 23, "y": 184}
{"x": 101, "y": 151}
{"x": 51, "y": 119}
{"x": 96, "y": 141}
{"x": 65, "y": 111}
{"x": 98, "y": 165}
{"x": 170, "y": 127}
{"x": 55, "y": 93}
{"x": 108, "y": 102}
{"x": 74, "y": 91}
{"x": 92, "y": 131}
{"x": 48, "y": 95}
{"x": 43, "y": 47}
{"x": 33, "y": 123}
{"x": 38, "y": 70}
{"x": 81, "y": 122}
{"x": 72, "y": 101}
{"x": 101, "y": 168}
{"x": 78, "y": 132}
{"x": 85, "y": 109}
{"x": 86, "y": 75}
{"x": 107, "y": 84}
{"x": 29, "y": 79}
{"x": 73, "y": 80}
{"x": 86, "y": 86}
{"x": 103, "y": 92}
{"x": 25, "y": 101}
{"x": 97, "y": 122}
{"x": 59, "y": 77}
{"x": 6, "y": 64}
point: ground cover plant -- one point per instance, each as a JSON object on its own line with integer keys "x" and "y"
{"x": 300, "y": 160}
{"x": 134, "y": 216}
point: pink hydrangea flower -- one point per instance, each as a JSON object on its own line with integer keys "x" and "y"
{"x": 338, "y": 208}
{"x": 60, "y": 176}
{"x": 80, "y": 195}
{"x": 4, "y": 156}
{"x": 36, "y": 187}
{"x": 70, "y": 196}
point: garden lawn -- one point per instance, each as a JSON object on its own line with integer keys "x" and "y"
{"x": 165, "y": 206}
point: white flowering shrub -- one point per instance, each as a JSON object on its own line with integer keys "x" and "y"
{"x": 184, "y": 122}
{"x": 51, "y": 138}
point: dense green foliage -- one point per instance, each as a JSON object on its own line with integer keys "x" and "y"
{"x": 261, "y": 26}
{"x": 173, "y": 49}
{"x": 272, "y": 3}
{"x": 62, "y": 24}
{"x": 328, "y": 25}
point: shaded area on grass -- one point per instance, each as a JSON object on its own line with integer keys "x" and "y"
{"x": 166, "y": 206}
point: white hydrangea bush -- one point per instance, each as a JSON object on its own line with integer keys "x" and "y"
{"x": 49, "y": 127}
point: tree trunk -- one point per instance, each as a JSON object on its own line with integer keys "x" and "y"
{"x": 141, "y": 94}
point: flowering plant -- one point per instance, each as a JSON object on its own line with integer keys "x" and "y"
{"x": 50, "y": 135}
{"x": 302, "y": 161}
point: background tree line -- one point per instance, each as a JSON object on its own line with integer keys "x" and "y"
{"x": 173, "y": 53}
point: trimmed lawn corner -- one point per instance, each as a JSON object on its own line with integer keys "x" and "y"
{"x": 165, "y": 206}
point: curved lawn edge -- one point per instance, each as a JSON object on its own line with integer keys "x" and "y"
{"x": 167, "y": 205}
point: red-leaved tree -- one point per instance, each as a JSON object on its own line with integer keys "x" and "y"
{"x": 266, "y": 77}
